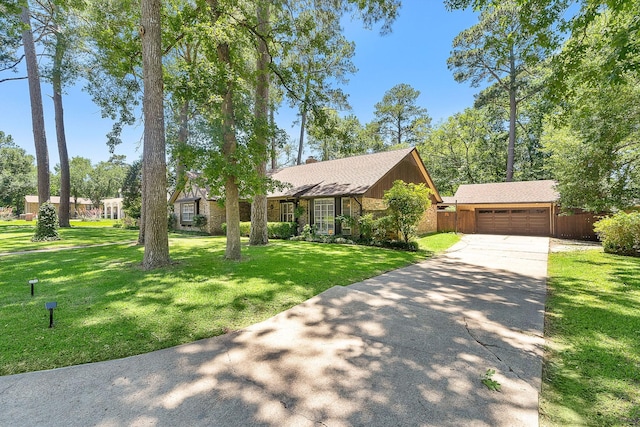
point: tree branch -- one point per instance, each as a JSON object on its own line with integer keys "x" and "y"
{"x": 12, "y": 78}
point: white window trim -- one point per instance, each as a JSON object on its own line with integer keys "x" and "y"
{"x": 330, "y": 228}
{"x": 286, "y": 212}
{"x": 184, "y": 214}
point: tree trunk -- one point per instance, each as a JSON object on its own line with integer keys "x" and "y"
{"x": 65, "y": 180}
{"x": 259, "y": 234}
{"x": 183, "y": 137}
{"x": 512, "y": 116}
{"x": 303, "y": 123}
{"x": 156, "y": 241}
{"x": 274, "y": 151}
{"x": 229, "y": 145}
{"x": 232, "y": 203}
{"x": 143, "y": 203}
{"x": 37, "y": 115}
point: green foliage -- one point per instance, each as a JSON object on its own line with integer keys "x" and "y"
{"x": 282, "y": 230}
{"x": 127, "y": 223}
{"x": 620, "y": 233}
{"x": 132, "y": 190}
{"x": 107, "y": 178}
{"x": 17, "y": 174}
{"x": 172, "y": 221}
{"x": 336, "y": 137}
{"x": 401, "y": 121}
{"x": 366, "y": 226}
{"x": 593, "y": 140}
{"x": 80, "y": 176}
{"x": 309, "y": 232}
{"x": 47, "y": 224}
{"x": 276, "y": 230}
{"x": 200, "y": 222}
{"x": 489, "y": 382}
{"x": 467, "y": 148}
{"x": 407, "y": 203}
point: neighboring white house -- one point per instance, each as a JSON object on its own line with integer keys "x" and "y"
{"x": 112, "y": 208}
{"x": 31, "y": 205}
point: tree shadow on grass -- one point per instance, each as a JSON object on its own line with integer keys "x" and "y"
{"x": 406, "y": 348}
{"x": 596, "y": 369}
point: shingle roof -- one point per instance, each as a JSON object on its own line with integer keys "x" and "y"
{"x": 508, "y": 192}
{"x": 351, "y": 175}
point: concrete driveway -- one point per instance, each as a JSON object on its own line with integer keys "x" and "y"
{"x": 407, "y": 348}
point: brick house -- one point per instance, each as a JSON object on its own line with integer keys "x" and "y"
{"x": 320, "y": 191}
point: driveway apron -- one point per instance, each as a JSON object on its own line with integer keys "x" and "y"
{"x": 407, "y": 348}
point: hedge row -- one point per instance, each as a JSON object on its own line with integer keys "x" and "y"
{"x": 276, "y": 230}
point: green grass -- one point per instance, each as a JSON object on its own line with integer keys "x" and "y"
{"x": 109, "y": 308}
{"x": 592, "y": 365}
{"x": 14, "y": 238}
{"x": 438, "y": 242}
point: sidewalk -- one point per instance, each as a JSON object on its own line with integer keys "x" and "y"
{"x": 405, "y": 348}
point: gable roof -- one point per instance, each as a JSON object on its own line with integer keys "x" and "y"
{"x": 507, "y": 192}
{"x": 348, "y": 176}
{"x": 191, "y": 191}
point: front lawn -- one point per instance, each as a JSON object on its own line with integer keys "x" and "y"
{"x": 109, "y": 308}
{"x": 16, "y": 235}
{"x": 592, "y": 365}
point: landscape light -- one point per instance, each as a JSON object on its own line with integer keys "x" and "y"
{"x": 50, "y": 306}
{"x": 32, "y": 282}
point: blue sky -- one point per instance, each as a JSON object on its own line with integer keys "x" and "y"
{"x": 415, "y": 53}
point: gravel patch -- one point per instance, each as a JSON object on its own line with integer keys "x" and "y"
{"x": 561, "y": 245}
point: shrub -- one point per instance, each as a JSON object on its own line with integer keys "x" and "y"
{"x": 384, "y": 229}
{"x": 407, "y": 203}
{"x": 276, "y": 230}
{"x": 308, "y": 232}
{"x": 127, "y": 222}
{"x": 172, "y": 222}
{"x": 47, "y": 224}
{"x": 281, "y": 230}
{"x": 620, "y": 233}
{"x": 245, "y": 228}
{"x": 200, "y": 221}
{"x": 366, "y": 227}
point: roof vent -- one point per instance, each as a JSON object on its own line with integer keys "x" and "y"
{"x": 311, "y": 159}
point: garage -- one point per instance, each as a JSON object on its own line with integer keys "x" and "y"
{"x": 529, "y": 222}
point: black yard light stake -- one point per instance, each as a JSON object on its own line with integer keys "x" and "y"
{"x": 32, "y": 282}
{"x": 50, "y": 306}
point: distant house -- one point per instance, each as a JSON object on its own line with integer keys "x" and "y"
{"x": 321, "y": 191}
{"x": 195, "y": 200}
{"x": 112, "y": 208}
{"x": 31, "y": 205}
{"x": 520, "y": 208}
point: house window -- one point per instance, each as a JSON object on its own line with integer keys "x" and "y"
{"x": 324, "y": 213}
{"x": 187, "y": 211}
{"x": 286, "y": 212}
{"x": 346, "y": 211}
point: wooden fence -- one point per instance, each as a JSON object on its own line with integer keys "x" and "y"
{"x": 461, "y": 221}
{"x": 577, "y": 226}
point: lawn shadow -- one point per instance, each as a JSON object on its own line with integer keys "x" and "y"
{"x": 405, "y": 348}
{"x": 596, "y": 324}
